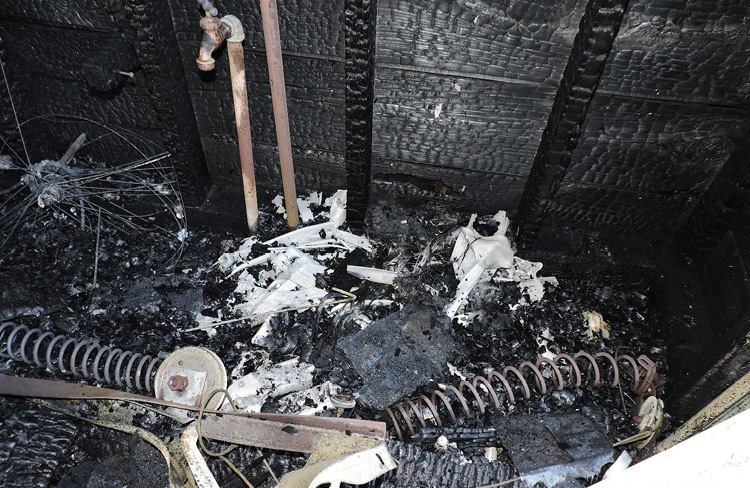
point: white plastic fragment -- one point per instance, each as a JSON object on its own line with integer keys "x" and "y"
{"x": 477, "y": 258}
{"x": 490, "y": 453}
{"x": 252, "y": 390}
{"x": 621, "y": 464}
{"x": 595, "y": 324}
{"x": 338, "y": 459}
{"x": 373, "y": 274}
{"x": 278, "y": 202}
{"x": 456, "y": 372}
{"x": 543, "y": 341}
{"x": 290, "y": 283}
{"x": 310, "y": 401}
{"x": 442, "y": 444}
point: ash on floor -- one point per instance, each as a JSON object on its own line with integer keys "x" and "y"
{"x": 140, "y": 305}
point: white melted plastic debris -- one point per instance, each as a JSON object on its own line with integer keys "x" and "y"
{"x": 477, "y": 259}
{"x": 543, "y": 340}
{"x": 300, "y": 402}
{"x": 251, "y": 391}
{"x": 303, "y": 205}
{"x": 290, "y": 282}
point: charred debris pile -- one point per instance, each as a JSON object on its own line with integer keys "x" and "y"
{"x": 432, "y": 324}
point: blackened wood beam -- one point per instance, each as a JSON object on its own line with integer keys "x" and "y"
{"x": 161, "y": 63}
{"x": 596, "y": 34}
{"x": 359, "y": 19}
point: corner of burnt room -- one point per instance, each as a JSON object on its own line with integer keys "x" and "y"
{"x": 387, "y": 243}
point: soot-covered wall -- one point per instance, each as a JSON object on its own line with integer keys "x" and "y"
{"x": 611, "y": 116}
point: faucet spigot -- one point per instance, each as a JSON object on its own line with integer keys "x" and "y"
{"x": 214, "y": 33}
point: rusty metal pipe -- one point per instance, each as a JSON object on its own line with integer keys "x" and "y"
{"x": 272, "y": 36}
{"x": 244, "y": 139}
{"x": 215, "y": 31}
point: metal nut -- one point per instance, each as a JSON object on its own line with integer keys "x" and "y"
{"x": 178, "y": 383}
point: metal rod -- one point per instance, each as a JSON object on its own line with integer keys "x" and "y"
{"x": 245, "y": 143}
{"x": 272, "y": 36}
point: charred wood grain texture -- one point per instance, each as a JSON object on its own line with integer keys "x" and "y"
{"x": 31, "y": 46}
{"x": 460, "y": 189}
{"x": 724, "y": 206}
{"x": 97, "y": 15}
{"x": 597, "y": 31}
{"x": 618, "y": 212}
{"x": 696, "y": 50}
{"x": 360, "y": 18}
{"x": 160, "y": 60}
{"x": 315, "y": 170}
{"x": 457, "y": 122}
{"x": 468, "y": 86}
{"x": 522, "y": 40}
{"x": 307, "y": 27}
{"x": 47, "y": 79}
{"x": 36, "y": 441}
{"x": 654, "y": 146}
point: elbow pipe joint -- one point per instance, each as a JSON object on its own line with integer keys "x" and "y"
{"x": 236, "y": 32}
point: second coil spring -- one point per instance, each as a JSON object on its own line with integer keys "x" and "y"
{"x": 480, "y": 390}
{"x": 82, "y": 358}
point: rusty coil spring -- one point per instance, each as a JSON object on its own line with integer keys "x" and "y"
{"x": 17, "y": 342}
{"x": 643, "y": 379}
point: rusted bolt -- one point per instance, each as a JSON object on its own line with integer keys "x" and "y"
{"x": 178, "y": 383}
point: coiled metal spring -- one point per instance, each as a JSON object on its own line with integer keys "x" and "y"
{"x": 485, "y": 390}
{"x": 86, "y": 358}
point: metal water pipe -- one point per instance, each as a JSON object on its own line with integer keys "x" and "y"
{"x": 272, "y": 36}
{"x": 215, "y": 32}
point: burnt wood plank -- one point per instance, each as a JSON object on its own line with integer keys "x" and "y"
{"x": 696, "y": 50}
{"x": 598, "y": 28}
{"x": 654, "y": 146}
{"x": 360, "y": 19}
{"x": 521, "y": 40}
{"x": 455, "y": 122}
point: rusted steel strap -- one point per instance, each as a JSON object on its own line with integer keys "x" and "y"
{"x": 274, "y": 431}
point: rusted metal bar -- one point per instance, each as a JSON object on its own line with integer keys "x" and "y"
{"x": 242, "y": 120}
{"x": 272, "y": 36}
{"x": 37, "y": 388}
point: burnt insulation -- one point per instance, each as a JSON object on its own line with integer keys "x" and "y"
{"x": 360, "y": 78}
{"x": 597, "y": 32}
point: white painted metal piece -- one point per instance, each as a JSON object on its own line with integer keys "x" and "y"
{"x": 719, "y": 456}
{"x": 198, "y": 467}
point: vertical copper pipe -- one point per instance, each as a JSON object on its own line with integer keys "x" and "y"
{"x": 242, "y": 120}
{"x": 270, "y": 14}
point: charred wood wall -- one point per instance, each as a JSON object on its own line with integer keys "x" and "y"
{"x": 56, "y": 53}
{"x": 670, "y": 106}
{"x": 463, "y": 91}
{"x": 604, "y": 116}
